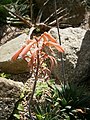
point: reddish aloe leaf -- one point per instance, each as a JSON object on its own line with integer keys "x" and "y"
{"x": 27, "y": 58}
{"x": 43, "y": 55}
{"x": 50, "y": 37}
{"x": 32, "y": 58}
{"x": 34, "y": 54}
{"x": 27, "y": 48}
{"x": 45, "y": 38}
{"x": 53, "y": 61}
{"x": 46, "y": 71}
{"x": 28, "y": 41}
{"x": 30, "y": 64}
{"x": 56, "y": 45}
{"x": 40, "y": 37}
{"x": 15, "y": 56}
{"x": 36, "y": 38}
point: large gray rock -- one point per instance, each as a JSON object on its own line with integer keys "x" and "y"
{"x": 6, "y": 52}
{"x": 76, "y": 43}
{"x": 74, "y": 8}
{"x": 82, "y": 69}
{"x": 9, "y": 94}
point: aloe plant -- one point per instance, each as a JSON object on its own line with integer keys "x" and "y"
{"x": 33, "y": 52}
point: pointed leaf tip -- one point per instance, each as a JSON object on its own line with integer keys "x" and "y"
{"x": 27, "y": 48}
{"x": 15, "y": 56}
{"x": 56, "y": 45}
{"x": 50, "y": 37}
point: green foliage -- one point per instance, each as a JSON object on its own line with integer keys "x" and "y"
{"x": 3, "y": 15}
{"x": 21, "y": 7}
{"x": 64, "y": 102}
{"x": 40, "y": 89}
{"x": 4, "y": 75}
{"x": 46, "y": 112}
{"x": 17, "y": 116}
{"x": 4, "y": 2}
{"x": 18, "y": 106}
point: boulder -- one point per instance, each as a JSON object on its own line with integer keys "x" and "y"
{"x": 9, "y": 94}
{"x": 81, "y": 73}
{"x": 74, "y": 58}
{"x": 74, "y": 9}
{"x": 6, "y": 52}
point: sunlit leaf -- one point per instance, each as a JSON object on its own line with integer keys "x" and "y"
{"x": 40, "y": 117}
{"x": 15, "y": 56}
{"x": 17, "y": 116}
{"x": 20, "y": 107}
{"x": 45, "y": 38}
{"x": 27, "y": 48}
{"x": 50, "y": 37}
{"x": 28, "y": 41}
{"x": 22, "y": 95}
{"x": 53, "y": 61}
{"x": 56, "y": 45}
{"x": 32, "y": 58}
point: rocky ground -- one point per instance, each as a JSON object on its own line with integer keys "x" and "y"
{"x": 6, "y": 34}
{"x": 72, "y": 51}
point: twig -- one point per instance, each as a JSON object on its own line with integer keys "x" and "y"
{"x": 53, "y": 14}
{"x": 31, "y": 98}
{"x": 31, "y": 10}
{"x": 54, "y": 22}
{"x": 40, "y": 12}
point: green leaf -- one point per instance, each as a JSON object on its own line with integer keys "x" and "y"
{"x": 37, "y": 29}
{"x": 64, "y": 102}
{"x": 22, "y": 95}
{"x": 40, "y": 117}
{"x": 17, "y": 116}
{"x": 5, "y": 2}
{"x": 57, "y": 103}
{"x": 63, "y": 110}
{"x": 20, "y": 107}
{"x": 4, "y": 75}
{"x": 68, "y": 107}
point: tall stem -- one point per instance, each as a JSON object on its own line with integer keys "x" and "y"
{"x": 34, "y": 86}
{"x": 31, "y": 10}
{"x": 61, "y": 54}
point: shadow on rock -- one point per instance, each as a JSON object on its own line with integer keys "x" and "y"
{"x": 82, "y": 70}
